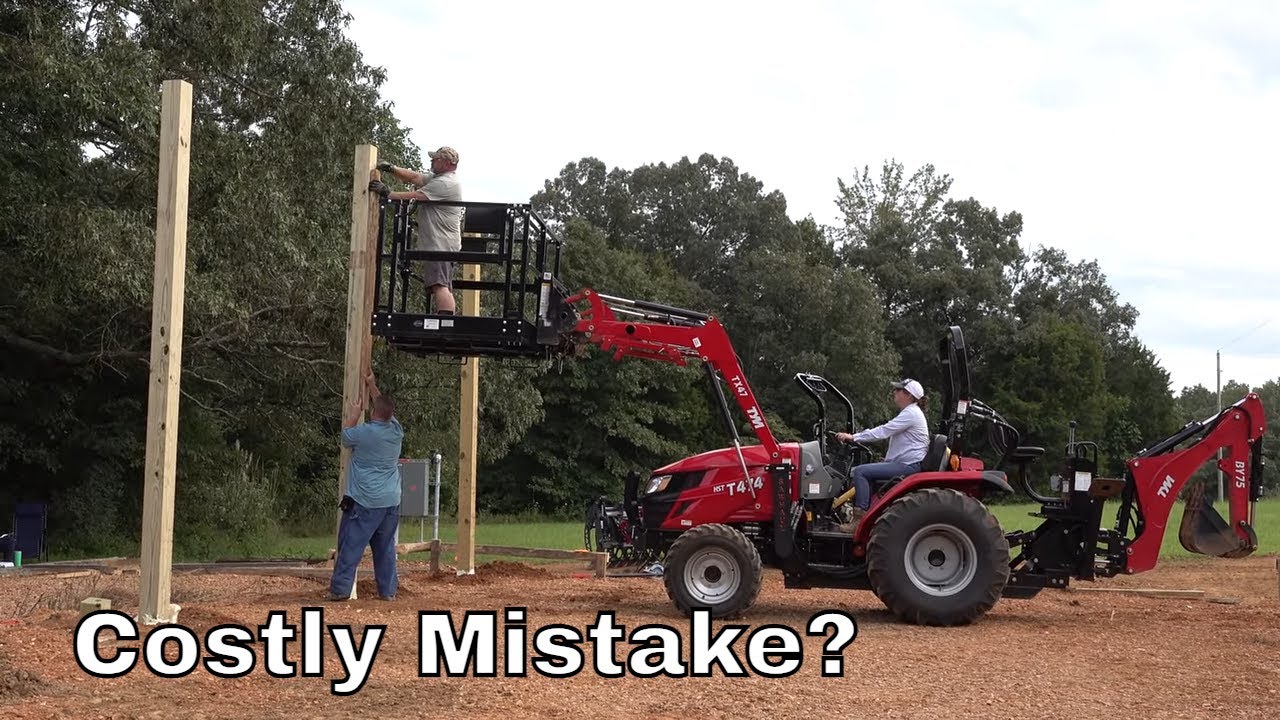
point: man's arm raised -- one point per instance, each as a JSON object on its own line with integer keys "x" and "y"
{"x": 403, "y": 174}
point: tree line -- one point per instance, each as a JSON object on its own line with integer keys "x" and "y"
{"x": 281, "y": 98}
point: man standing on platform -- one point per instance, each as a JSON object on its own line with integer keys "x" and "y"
{"x": 439, "y": 226}
{"x": 371, "y": 507}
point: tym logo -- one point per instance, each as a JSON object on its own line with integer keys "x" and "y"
{"x": 753, "y": 414}
{"x": 739, "y": 386}
{"x": 1240, "y": 483}
{"x": 1165, "y": 486}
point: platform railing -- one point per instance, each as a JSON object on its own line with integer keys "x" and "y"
{"x": 519, "y": 257}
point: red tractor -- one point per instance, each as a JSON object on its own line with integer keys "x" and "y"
{"x": 927, "y": 547}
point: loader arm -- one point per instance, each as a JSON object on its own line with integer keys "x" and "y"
{"x": 1160, "y": 472}
{"x": 637, "y": 328}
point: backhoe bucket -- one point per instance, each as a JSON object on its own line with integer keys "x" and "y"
{"x": 1203, "y": 531}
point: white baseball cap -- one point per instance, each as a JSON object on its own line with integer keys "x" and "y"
{"x": 911, "y": 386}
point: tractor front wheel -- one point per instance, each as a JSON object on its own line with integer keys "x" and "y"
{"x": 715, "y": 567}
{"x": 938, "y": 557}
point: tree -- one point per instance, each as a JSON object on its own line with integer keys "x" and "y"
{"x": 935, "y": 262}
{"x": 1053, "y": 375}
{"x": 1142, "y": 409}
{"x": 280, "y": 99}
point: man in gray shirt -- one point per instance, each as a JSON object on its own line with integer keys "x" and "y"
{"x": 439, "y": 226}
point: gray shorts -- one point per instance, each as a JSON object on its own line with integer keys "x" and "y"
{"x": 437, "y": 273}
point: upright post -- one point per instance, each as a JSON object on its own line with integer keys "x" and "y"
{"x": 1218, "y": 354}
{"x": 468, "y": 429}
{"x": 364, "y": 228}
{"x": 156, "y": 562}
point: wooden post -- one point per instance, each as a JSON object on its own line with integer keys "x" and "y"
{"x": 468, "y": 429}
{"x": 166, "y": 355}
{"x": 364, "y": 230}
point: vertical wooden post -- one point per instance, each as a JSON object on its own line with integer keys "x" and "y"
{"x": 364, "y": 229}
{"x": 468, "y": 430}
{"x": 164, "y": 388}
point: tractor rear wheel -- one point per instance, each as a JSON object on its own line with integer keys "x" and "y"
{"x": 938, "y": 557}
{"x": 712, "y": 566}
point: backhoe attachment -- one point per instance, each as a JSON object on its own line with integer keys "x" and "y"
{"x": 1070, "y": 544}
{"x": 1160, "y": 473}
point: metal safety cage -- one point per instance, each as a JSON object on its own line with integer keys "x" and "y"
{"x": 519, "y": 258}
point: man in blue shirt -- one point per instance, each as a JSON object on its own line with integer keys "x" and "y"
{"x": 371, "y": 507}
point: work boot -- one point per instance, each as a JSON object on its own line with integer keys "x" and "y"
{"x": 855, "y": 518}
{"x": 335, "y": 597}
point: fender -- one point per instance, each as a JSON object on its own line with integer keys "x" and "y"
{"x": 969, "y": 482}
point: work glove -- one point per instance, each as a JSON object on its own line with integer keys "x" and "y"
{"x": 380, "y": 187}
{"x": 385, "y": 166}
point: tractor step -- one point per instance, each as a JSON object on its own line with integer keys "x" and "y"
{"x": 830, "y": 535}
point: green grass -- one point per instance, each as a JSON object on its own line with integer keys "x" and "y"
{"x": 553, "y": 535}
{"x": 568, "y": 535}
{"x": 1267, "y": 524}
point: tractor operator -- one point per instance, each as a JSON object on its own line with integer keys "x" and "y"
{"x": 439, "y": 226}
{"x": 908, "y": 435}
{"x": 371, "y": 507}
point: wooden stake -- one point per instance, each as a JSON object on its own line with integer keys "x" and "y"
{"x": 468, "y": 430}
{"x": 364, "y": 228}
{"x": 166, "y": 355}
{"x": 1145, "y": 592}
{"x": 364, "y": 231}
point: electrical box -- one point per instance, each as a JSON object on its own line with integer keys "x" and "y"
{"x": 415, "y": 491}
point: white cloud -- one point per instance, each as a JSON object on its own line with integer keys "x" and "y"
{"x": 1140, "y": 134}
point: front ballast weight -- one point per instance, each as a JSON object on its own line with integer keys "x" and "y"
{"x": 523, "y": 309}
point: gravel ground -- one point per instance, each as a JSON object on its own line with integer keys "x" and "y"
{"x": 1061, "y": 655}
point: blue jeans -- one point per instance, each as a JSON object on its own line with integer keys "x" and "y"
{"x": 865, "y": 473}
{"x": 363, "y": 527}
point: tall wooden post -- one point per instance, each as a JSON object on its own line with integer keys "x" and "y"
{"x": 364, "y": 238}
{"x": 156, "y": 560}
{"x": 468, "y": 430}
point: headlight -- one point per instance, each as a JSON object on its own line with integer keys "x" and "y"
{"x": 657, "y": 484}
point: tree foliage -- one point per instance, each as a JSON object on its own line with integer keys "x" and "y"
{"x": 281, "y": 97}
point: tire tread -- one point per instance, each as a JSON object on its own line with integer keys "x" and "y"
{"x": 886, "y": 546}
{"x": 690, "y": 540}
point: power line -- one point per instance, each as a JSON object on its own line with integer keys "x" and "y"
{"x": 1256, "y": 329}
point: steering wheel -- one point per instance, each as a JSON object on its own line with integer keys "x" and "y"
{"x": 846, "y": 450}
{"x": 831, "y": 438}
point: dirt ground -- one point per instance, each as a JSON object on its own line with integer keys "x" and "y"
{"x": 1060, "y": 655}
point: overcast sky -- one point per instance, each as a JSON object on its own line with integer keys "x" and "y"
{"x": 1142, "y": 135}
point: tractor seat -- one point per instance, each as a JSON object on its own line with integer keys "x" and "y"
{"x": 935, "y": 460}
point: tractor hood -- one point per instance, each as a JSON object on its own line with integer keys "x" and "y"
{"x": 755, "y": 455}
